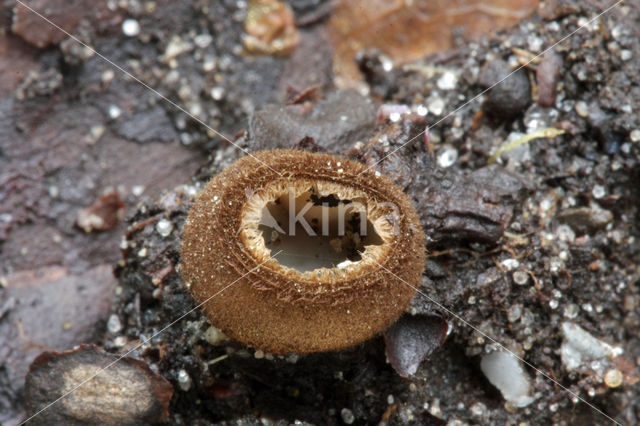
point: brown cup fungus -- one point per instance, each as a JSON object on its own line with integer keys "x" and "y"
{"x": 299, "y": 251}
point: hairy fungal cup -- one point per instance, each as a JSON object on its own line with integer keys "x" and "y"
{"x": 299, "y": 251}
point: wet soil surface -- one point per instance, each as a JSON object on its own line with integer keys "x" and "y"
{"x": 522, "y": 250}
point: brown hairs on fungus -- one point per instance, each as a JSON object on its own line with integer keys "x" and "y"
{"x": 319, "y": 293}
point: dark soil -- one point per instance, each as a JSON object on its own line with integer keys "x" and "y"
{"x": 561, "y": 212}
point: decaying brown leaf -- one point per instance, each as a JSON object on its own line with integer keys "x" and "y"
{"x": 406, "y": 31}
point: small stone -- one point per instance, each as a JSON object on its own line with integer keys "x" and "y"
{"x": 164, "y": 227}
{"x": 585, "y": 219}
{"x": 137, "y": 190}
{"x": 556, "y": 265}
{"x": 176, "y": 47}
{"x": 435, "y": 105}
{"x": 520, "y": 277}
{"x": 214, "y": 336}
{"x": 120, "y": 341}
{"x": 565, "y": 233}
{"x": 127, "y": 392}
{"x": 113, "y": 324}
{"x": 598, "y": 192}
{"x": 510, "y": 264}
{"x": 184, "y": 380}
{"x": 435, "y": 409}
{"x": 114, "y": 112}
{"x": 613, "y": 378}
{"x": 157, "y": 293}
{"x": 422, "y": 110}
{"x": 130, "y": 27}
{"x": 203, "y": 40}
{"x": 347, "y": 416}
{"x": 508, "y": 97}
{"x": 258, "y": 354}
{"x": 579, "y": 347}
{"x": 571, "y": 311}
{"x": 478, "y": 409}
{"x": 217, "y": 93}
{"x": 411, "y": 340}
{"x": 54, "y": 192}
{"x": 582, "y": 109}
{"x": 447, "y": 81}
{"x": 447, "y": 156}
{"x": 505, "y": 372}
{"x": 635, "y": 135}
{"x": 514, "y": 312}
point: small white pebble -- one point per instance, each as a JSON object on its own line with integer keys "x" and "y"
{"x": 387, "y": 63}
{"x": 214, "y": 336}
{"x": 184, "y": 380}
{"x": 347, "y": 416}
{"x": 130, "y": 27}
{"x": 635, "y": 135}
{"x": 422, "y": 110}
{"x": 164, "y": 227}
{"x": 203, "y": 40}
{"x": 447, "y": 81}
{"x": 120, "y": 341}
{"x": 114, "y": 112}
{"x": 506, "y": 373}
{"x": 571, "y": 311}
{"x": 613, "y": 378}
{"x": 514, "y": 312}
{"x": 582, "y": 109}
{"x": 137, "y": 190}
{"x": 478, "y": 409}
{"x": 520, "y": 277}
{"x": 113, "y": 324}
{"x": 598, "y": 192}
{"x": 510, "y": 264}
{"x": 436, "y": 106}
{"x": 447, "y": 156}
{"x": 217, "y": 93}
{"x": 54, "y": 192}
{"x": 394, "y": 117}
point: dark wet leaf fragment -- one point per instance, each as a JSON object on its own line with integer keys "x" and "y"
{"x": 126, "y": 393}
{"x": 411, "y": 340}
